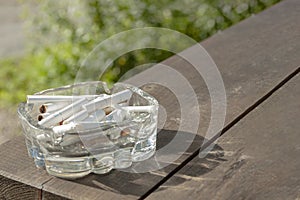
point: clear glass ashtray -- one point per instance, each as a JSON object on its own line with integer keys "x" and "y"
{"x": 83, "y": 142}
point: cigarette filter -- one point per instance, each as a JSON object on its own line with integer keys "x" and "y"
{"x": 51, "y": 107}
{"x": 42, "y": 116}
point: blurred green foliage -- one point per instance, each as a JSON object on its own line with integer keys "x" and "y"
{"x": 63, "y": 32}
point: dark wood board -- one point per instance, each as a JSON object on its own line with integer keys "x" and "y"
{"x": 259, "y": 157}
{"x": 253, "y": 57}
{"x": 51, "y": 196}
{"x": 19, "y": 176}
{"x": 10, "y": 189}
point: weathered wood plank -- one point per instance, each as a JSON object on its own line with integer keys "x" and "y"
{"x": 259, "y": 160}
{"x": 253, "y": 57}
{"x": 16, "y": 165}
{"x": 10, "y": 189}
{"x": 51, "y": 196}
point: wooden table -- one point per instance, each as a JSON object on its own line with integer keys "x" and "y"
{"x": 257, "y": 154}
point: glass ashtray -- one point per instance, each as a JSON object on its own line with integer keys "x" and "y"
{"x": 112, "y": 142}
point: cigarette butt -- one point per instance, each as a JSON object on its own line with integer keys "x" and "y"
{"x": 73, "y": 126}
{"x": 51, "y": 107}
{"x": 108, "y": 110}
{"x": 125, "y": 132}
{"x": 43, "y": 109}
{"x": 63, "y": 114}
{"x": 60, "y": 98}
{"x": 147, "y": 109}
{"x": 42, "y": 116}
{"x": 107, "y": 101}
{"x": 59, "y": 130}
{"x": 51, "y": 120}
{"x": 77, "y": 117}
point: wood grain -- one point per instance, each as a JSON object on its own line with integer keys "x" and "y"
{"x": 10, "y": 189}
{"x": 51, "y": 196}
{"x": 16, "y": 165}
{"x": 260, "y": 156}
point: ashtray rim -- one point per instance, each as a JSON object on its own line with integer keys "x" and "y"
{"x": 24, "y": 116}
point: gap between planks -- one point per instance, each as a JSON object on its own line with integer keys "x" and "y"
{"x": 223, "y": 131}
